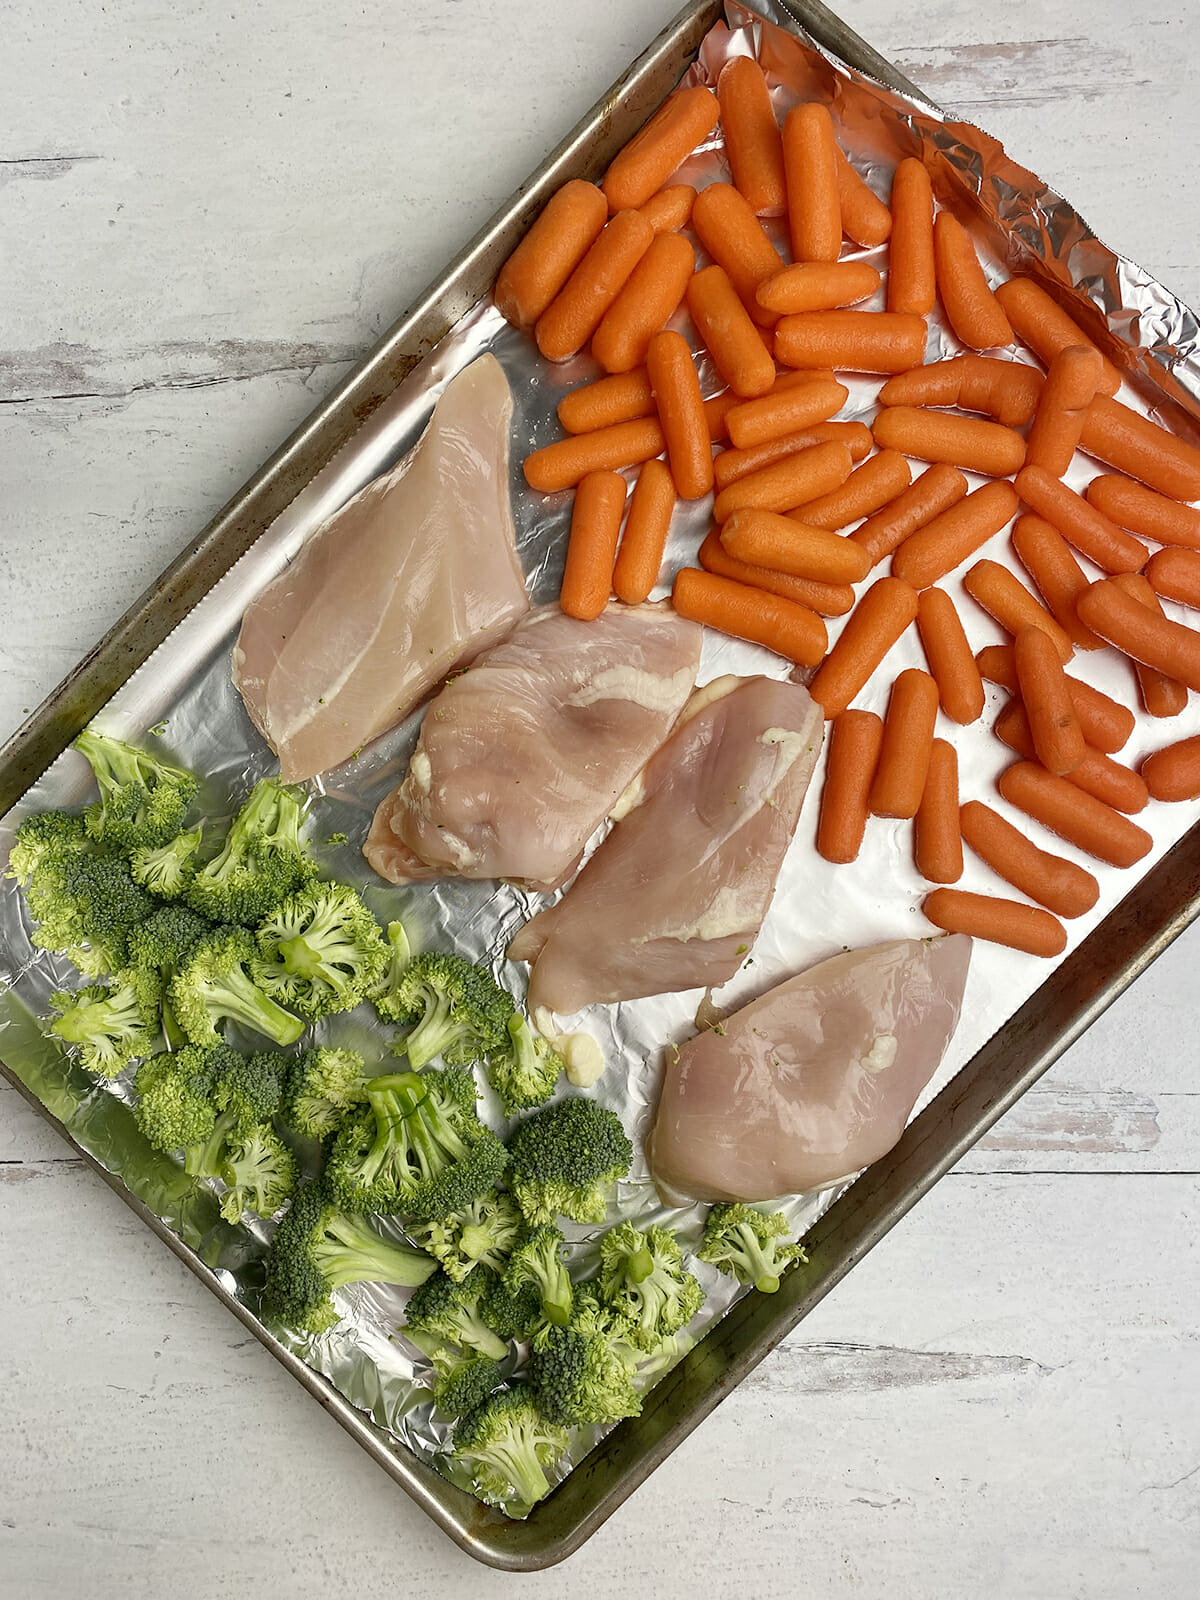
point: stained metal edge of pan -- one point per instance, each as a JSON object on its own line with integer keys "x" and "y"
{"x": 1153, "y": 914}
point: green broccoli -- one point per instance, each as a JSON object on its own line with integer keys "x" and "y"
{"x": 463, "y": 1381}
{"x": 643, "y": 1278}
{"x": 157, "y": 946}
{"x": 204, "y": 1101}
{"x": 512, "y": 1313}
{"x": 213, "y": 986}
{"x": 318, "y": 1248}
{"x": 418, "y": 1148}
{"x": 320, "y": 951}
{"x": 508, "y": 1445}
{"x": 86, "y": 905}
{"x": 142, "y": 802}
{"x": 538, "y": 1259}
{"x": 579, "y": 1377}
{"x": 748, "y": 1244}
{"x": 322, "y": 1086}
{"x": 524, "y": 1071}
{"x": 481, "y": 1235}
{"x": 167, "y": 869}
{"x": 565, "y": 1158}
{"x": 112, "y": 1025}
{"x": 262, "y": 861}
{"x": 459, "y": 1011}
{"x": 397, "y": 957}
{"x": 449, "y": 1313}
{"x": 45, "y": 833}
{"x": 259, "y": 1172}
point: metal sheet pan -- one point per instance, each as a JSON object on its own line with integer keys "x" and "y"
{"x": 1155, "y": 911}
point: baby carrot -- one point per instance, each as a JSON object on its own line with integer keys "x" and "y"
{"x": 1072, "y": 383}
{"x": 1080, "y": 524}
{"x": 1173, "y": 773}
{"x": 1006, "y": 390}
{"x": 680, "y": 406}
{"x": 818, "y": 286}
{"x": 788, "y": 629}
{"x": 765, "y": 539}
{"x": 1058, "y": 741}
{"x": 1105, "y": 722}
{"x": 1136, "y": 446}
{"x": 752, "y": 139}
{"x": 871, "y": 630}
{"x": 907, "y": 743}
{"x": 1131, "y": 505}
{"x": 810, "y": 175}
{"x": 849, "y": 772}
{"x": 972, "y": 310}
{"x": 1047, "y": 558}
{"x": 716, "y": 409}
{"x": 650, "y": 297}
{"x": 912, "y": 280}
{"x": 1004, "y": 597}
{"x": 669, "y": 209}
{"x": 549, "y": 253}
{"x": 645, "y": 537}
{"x": 968, "y": 442}
{"x": 788, "y": 483}
{"x": 595, "y": 527}
{"x": 960, "y": 688}
{"x": 827, "y": 599}
{"x": 624, "y": 397}
{"x": 773, "y": 416}
{"x": 1097, "y": 774}
{"x": 1175, "y": 575}
{"x": 1162, "y": 695}
{"x": 571, "y": 318}
{"x": 731, "y": 465}
{"x": 937, "y": 837}
{"x": 876, "y": 483}
{"x": 858, "y": 341}
{"x": 1042, "y": 324}
{"x": 683, "y": 120}
{"x": 727, "y": 227}
{"x": 733, "y": 341}
{"x": 1007, "y": 922}
{"x": 1080, "y": 818}
{"x": 935, "y": 491}
{"x": 946, "y": 542}
{"x": 1053, "y": 881}
{"x": 562, "y": 464}
{"x": 865, "y": 218}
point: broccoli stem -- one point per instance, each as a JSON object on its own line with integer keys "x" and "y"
{"x": 475, "y": 1241}
{"x": 432, "y": 1034}
{"x": 639, "y": 1265}
{"x": 239, "y": 999}
{"x": 299, "y": 957}
{"x": 360, "y": 1255}
{"x": 204, "y": 1160}
{"x": 522, "y": 1468}
{"x": 764, "y": 1278}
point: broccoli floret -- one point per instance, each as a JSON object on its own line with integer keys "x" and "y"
{"x": 463, "y": 1381}
{"x": 245, "y": 1094}
{"x": 176, "y": 1111}
{"x": 524, "y": 1072}
{"x": 167, "y": 869}
{"x": 46, "y": 833}
{"x": 417, "y": 1148}
{"x": 86, "y": 905}
{"x": 748, "y": 1244}
{"x": 460, "y": 1012}
{"x": 259, "y": 1172}
{"x": 112, "y": 1025}
{"x": 643, "y": 1277}
{"x": 449, "y": 1313}
{"x": 213, "y": 985}
{"x": 565, "y": 1158}
{"x": 508, "y": 1444}
{"x": 580, "y": 1377}
{"x": 143, "y": 800}
{"x": 481, "y": 1235}
{"x": 538, "y": 1259}
{"x": 320, "y": 951}
{"x": 512, "y": 1313}
{"x": 157, "y": 946}
{"x": 262, "y": 861}
{"x": 398, "y": 955}
{"x": 318, "y": 1248}
{"x": 322, "y": 1086}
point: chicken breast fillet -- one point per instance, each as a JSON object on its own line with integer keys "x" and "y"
{"x": 415, "y": 575}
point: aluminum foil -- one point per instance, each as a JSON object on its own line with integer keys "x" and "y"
{"x": 184, "y": 697}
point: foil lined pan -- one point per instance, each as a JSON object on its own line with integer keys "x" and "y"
{"x": 185, "y": 694}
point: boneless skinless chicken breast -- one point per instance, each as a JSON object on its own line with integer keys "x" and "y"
{"x": 812, "y": 1081}
{"x": 413, "y": 576}
{"x": 675, "y": 895}
{"x": 520, "y": 759}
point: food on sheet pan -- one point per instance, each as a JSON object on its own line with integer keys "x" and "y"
{"x": 814, "y": 1079}
{"x": 414, "y": 576}
{"x": 520, "y": 759}
{"x": 675, "y": 895}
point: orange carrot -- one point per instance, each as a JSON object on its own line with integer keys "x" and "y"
{"x": 775, "y": 415}
{"x": 1080, "y": 524}
{"x": 720, "y": 405}
{"x": 571, "y": 318}
{"x": 935, "y": 491}
{"x": 549, "y": 253}
{"x": 650, "y": 297}
{"x": 683, "y": 120}
{"x": 857, "y": 341}
{"x": 1140, "y": 448}
{"x": 1042, "y": 324}
{"x": 967, "y": 442}
{"x": 849, "y": 772}
{"x": 561, "y": 465}
{"x": 1004, "y": 597}
{"x": 876, "y": 483}
{"x": 1054, "y": 882}
{"x": 827, "y": 599}
{"x": 972, "y": 310}
{"x": 724, "y": 324}
{"x": 871, "y": 630}
{"x": 1162, "y": 695}
{"x": 788, "y": 483}
{"x": 1072, "y": 383}
{"x": 765, "y": 539}
{"x": 752, "y": 140}
{"x": 1131, "y": 505}
{"x": 912, "y": 281}
{"x": 1047, "y": 558}
{"x": 1080, "y": 818}
{"x": 716, "y": 409}
{"x": 788, "y": 629}
{"x": 1097, "y": 774}
{"x": 937, "y": 837}
{"x": 1105, "y": 722}
{"x": 622, "y": 398}
{"x": 960, "y": 688}
{"x": 1007, "y": 922}
{"x": 595, "y": 527}
{"x": 865, "y": 218}
{"x": 818, "y": 286}
{"x": 670, "y": 209}
{"x": 728, "y": 229}
{"x": 907, "y": 743}
{"x": 946, "y": 542}
{"x": 1058, "y": 741}
{"x": 1006, "y": 390}
{"x": 1175, "y": 575}
{"x": 677, "y": 395}
{"x": 1173, "y": 773}
{"x": 810, "y": 176}
{"x": 731, "y": 465}
{"x": 645, "y": 537}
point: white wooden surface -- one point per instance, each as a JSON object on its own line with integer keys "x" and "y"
{"x": 207, "y": 211}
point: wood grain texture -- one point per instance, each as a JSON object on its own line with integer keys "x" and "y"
{"x": 208, "y": 211}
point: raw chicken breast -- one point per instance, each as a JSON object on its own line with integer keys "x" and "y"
{"x": 415, "y": 575}
{"x": 676, "y": 894}
{"x": 812, "y": 1081}
{"x": 520, "y": 759}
